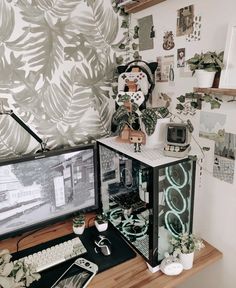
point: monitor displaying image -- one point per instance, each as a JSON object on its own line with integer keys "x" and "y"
{"x": 46, "y": 187}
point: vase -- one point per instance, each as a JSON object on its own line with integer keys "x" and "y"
{"x": 186, "y": 260}
{"x": 79, "y": 229}
{"x": 204, "y": 78}
{"x": 101, "y": 226}
{"x": 159, "y": 135}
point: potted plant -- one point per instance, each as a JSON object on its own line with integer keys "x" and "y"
{"x": 15, "y": 274}
{"x": 101, "y": 222}
{"x": 79, "y": 224}
{"x": 126, "y": 119}
{"x": 205, "y": 65}
{"x": 185, "y": 245}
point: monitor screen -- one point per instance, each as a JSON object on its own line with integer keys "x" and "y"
{"x": 45, "y": 188}
{"x": 176, "y": 134}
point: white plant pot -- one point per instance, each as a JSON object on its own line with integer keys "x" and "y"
{"x": 101, "y": 227}
{"x": 204, "y": 78}
{"x": 79, "y": 230}
{"x": 186, "y": 260}
{"x": 159, "y": 134}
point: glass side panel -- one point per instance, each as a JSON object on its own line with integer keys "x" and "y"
{"x": 125, "y": 197}
{"x": 174, "y": 210}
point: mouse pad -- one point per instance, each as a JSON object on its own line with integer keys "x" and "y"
{"x": 120, "y": 252}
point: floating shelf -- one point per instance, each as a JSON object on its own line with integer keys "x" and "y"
{"x": 142, "y": 4}
{"x": 216, "y": 91}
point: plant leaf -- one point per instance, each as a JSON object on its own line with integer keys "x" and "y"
{"x": 7, "y": 21}
{"x": 99, "y": 25}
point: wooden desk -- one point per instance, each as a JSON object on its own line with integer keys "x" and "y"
{"x": 131, "y": 274}
{"x": 134, "y": 273}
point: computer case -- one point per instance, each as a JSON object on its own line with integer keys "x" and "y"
{"x": 147, "y": 196}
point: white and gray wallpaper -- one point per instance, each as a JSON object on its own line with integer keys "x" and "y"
{"x": 57, "y": 59}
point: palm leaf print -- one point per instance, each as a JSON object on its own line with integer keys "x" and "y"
{"x": 99, "y": 24}
{"x": 7, "y": 21}
{"x": 14, "y": 140}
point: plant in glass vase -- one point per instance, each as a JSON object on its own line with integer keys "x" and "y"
{"x": 185, "y": 245}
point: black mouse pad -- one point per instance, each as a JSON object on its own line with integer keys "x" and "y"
{"x": 120, "y": 252}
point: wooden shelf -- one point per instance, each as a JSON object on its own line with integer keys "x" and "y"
{"x": 142, "y": 4}
{"x": 217, "y": 91}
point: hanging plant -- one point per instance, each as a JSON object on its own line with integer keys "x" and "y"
{"x": 190, "y": 102}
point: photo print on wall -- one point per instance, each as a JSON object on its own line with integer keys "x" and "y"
{"x": 212, "y": 125}
{"x": 196, "y": 34}
{"x": 185, "y": 19}
{"x": 224, "y": 158}
{"x": 165, "y": 68}
{"x": 168, "y": 40}
{"x": 180, "y": 57}
{"x": 162, "y": 99}
{"x": 145, "y": 25}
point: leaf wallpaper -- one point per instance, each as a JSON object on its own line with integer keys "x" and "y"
{"x": 57, "y": 59}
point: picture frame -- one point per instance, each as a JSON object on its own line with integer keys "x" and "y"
{"x": 228, "y": 73}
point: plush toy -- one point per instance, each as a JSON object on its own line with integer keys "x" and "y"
{"x": 171, "y": 265}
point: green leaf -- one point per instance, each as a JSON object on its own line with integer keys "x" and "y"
{"x": 19, "y": 275}
{"x": 207, "y": 98}
{"x": 179, "y": 107}
{"x": 194, "y": 104}
{"x": 181, "y": 99}
{"x": 215, "y": 104}
{"x": 7, "y": 269}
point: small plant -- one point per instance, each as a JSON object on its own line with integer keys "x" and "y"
{"x": 101, "y": 218}
{"x": 79, "y": 220}
{"x": 101, "y": 222}
{"x": 187, "y": 243}
{"x": 133, "y": 118}
{"x": 209, "y": 61}
{"x": 15, "y": 274}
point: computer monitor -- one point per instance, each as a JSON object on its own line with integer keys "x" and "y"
{"x": 177, "y": 134}
{"x": 39, "y": 190}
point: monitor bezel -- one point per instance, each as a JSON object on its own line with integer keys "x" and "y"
{"x": 45, "y": 223}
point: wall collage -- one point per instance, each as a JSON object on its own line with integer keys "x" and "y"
{"x": 212, "y": 125}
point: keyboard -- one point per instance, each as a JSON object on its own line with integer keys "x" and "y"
{"x": 55, "y": 255}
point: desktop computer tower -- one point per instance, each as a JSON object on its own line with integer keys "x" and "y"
{"x": 146, "y": 196}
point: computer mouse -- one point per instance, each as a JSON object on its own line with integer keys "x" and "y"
{"x": 103, "y": 244}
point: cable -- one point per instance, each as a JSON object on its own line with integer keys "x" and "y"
{"x": 90, "y": 219}
{"x": 25, "y": 236}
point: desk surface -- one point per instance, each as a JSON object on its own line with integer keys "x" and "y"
{"x": 134, "y": 273}
{"x": 131, "y": 274}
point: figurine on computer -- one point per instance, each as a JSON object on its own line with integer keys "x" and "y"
{"x": 137, "y": 138}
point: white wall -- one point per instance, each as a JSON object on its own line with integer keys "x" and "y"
{"x": 215, "y": 200}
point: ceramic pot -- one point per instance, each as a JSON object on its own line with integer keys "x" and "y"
{"x": 101, "y": 227}
{"x": 204, "y": 78}
{"x": 79, "y": 230}
{"x": 186, "y": 259}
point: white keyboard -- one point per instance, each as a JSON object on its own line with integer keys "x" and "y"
{"x": 55, "y": 255}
